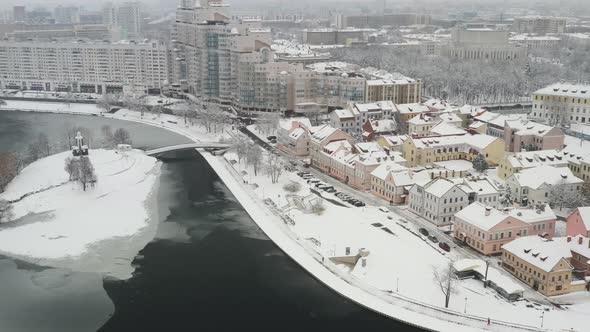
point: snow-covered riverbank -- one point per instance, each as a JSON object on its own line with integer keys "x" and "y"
{"x": 100, "y": 230}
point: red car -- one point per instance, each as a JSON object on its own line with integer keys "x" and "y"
{"x": 444, "y": 246}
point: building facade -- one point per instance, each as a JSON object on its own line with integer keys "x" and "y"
{"x": 482, "y": 44}
{"x": 486, "y": 229}
{"x": 539, "y": 24}
{"x": 562, "y": 103}
{"x": 578, "y": 222}
{"x": 83, "y": 67}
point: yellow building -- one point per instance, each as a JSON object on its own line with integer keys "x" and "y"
{"x": 426, "y": 151}
{"x": 540, "y": 263}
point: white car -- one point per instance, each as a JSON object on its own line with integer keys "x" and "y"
{"x": 383, "y": 209}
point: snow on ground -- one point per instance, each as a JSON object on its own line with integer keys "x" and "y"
{"x": 61, "y": 225}
{"x": 456, "y": 165}
{"x": 403, "y": 260}
{"x": 574, "y": 141}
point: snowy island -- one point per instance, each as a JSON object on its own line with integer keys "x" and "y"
{"x": 56, "y": 223}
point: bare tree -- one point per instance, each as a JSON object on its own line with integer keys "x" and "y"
{"x": 107, "y": 136}
{"x": 122, "y": 136}
{"x": 107, "y": 101}
{"x": 240, "y": 146}
{"x": 292, "y": 187}
{"x": 274, "y": 167}
{"x": 86, "y": 174}
{"x": 254, "y": 157}
{"x": 8, "y": 169}
{"x": 72, "y": 166}
{"x": 43, "y": 145}
{"x": 446, "y": 279}
{"x": 33, "y": 152}
{"x": 317, "y": 207}
{"x": 268, "y": 123}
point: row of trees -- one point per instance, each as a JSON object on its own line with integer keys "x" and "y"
{"x": 473, "y": 81}
{"x": 253, "y": 156}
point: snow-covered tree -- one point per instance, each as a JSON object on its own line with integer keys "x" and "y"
{"x": 254, "y": 157}
{"x": 107, "y": 136}
{"x": 44, "y": 145}
{"x": 507, "y": 198}
{"x": 122, "y": 136}
{"x": 268, "y": 123}
{"x": 274, "y": 167}
{"x": 480, "y": 164}
{"x": 585, "y": 193}
{"x": 446, "y": 279}
{"x": 318, "y": 207}
{"x": 562, "y": 196}
{"x": 86, "y": 175}
{"x": 292, "y": 187}
{"x": 240, "y": 146}
{"x": 71, "y": 167}
{"x": 107, "y": 101}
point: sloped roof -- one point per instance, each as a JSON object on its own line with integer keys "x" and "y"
{"x": 540, "y": 252}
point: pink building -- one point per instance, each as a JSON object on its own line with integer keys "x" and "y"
{"x": 524, "y": 134}
{"x": 579, "y": 222}
{"x": 293, "y": 136}
{"x": 486, "y": 229}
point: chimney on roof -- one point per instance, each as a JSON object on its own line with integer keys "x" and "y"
{"x": 580, "y": 240}
{"x": 569, "y": 239}
{"x": 488, "y": 210}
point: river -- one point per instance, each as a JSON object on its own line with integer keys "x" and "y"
{"x": 209, "y": 268}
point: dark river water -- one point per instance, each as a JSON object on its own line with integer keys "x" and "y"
{"x": 210, "y": 267}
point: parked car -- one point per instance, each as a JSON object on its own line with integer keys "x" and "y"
{"x": 293, "y": 162}
{"x": 331, "y": 190}
{"x": 433, "y": 239}
{"x": 313, "y": 181}
{"x": 423, "y": 231}
{"x": 270, "y": 138}
{"x": 444, "y": 246}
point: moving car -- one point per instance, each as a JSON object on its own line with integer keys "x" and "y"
{"x": 383, "y": 209}
{"x": 444, "y": 246}
{"x": 423, "y": 231}
{"x": 433, "y": 239}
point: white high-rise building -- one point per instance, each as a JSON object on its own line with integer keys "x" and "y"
{"x": 84, "y": 67}
{"x": 124, "y": 18}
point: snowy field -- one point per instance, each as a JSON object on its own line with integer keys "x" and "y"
{"x": 101, "y": 229}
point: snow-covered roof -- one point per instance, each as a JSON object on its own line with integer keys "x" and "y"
{"x": 344, "y": 114}
{"x": 578, "y": 244}
{"x": 496, "y": 118}
{"x": 380, "y": 157}
{"x": 537, "y": 176}
{"x": 379, "y": 106}
{"x": 584, "y": 212}
{"x": 289, "y": 123}
{"x": 480, "y": 185}
{"x": 384, "y": 125}
{"x": 530, "y": 159}
{"x": 475, "y": 214}
{"x": 539, "y": 252}
{"x": 439, "y": 186}
{"x": 414, "y": 108}
{"x": 322, "y": 133}
{"x": 565, "y": 90}
{"x": 525, "y": 127}
{"x": 465, "y": 142}
{"x": 367, "y": 147}
{"x": 292, "y": 48}
{"x": 450, "y": 117}
{"x": 477, "y": 124}
{"x": 336, "y": 145}
{"x": 296, "y": 133}
{"x": 438, "y": 104}
{"x": 470, "y": 110}
{"x": 395, "y": 140}
{"x": 525, "y": 37}
{"x": 383, "y": 170}
{"x": 444, "y": 128}
{"x": 422, "y": 119}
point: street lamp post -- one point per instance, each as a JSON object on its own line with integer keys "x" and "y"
{"x": 542, "y": 318}
{"x": 465, "y": 308}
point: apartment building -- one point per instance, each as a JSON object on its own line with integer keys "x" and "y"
{"x": 528, "y": 135}
{"x": 578, "y": 222}
{"x": 392, "y": 142}
{"x": 440, "y": 199}
{"x": 533, "y": 185}
{"x": 486, "y": 229}
{"x": 406, "y": 112}
{"x": 380, "y": 20}
{"x": 428, "y": 150}
{"x": 375, "y": 128}
{"x": 126, "y": 17}
{"x": 562, "y": 103}
{"x": 323, "y": 136}
{"x": 91, "y": 67}
{"x": 482, "y": 44}
{"x": 539, "y": 24}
